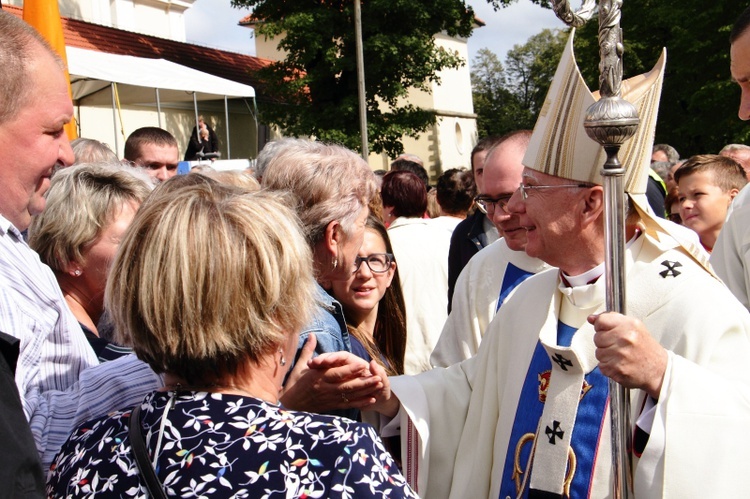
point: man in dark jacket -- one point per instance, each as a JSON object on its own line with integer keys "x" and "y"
{"x": 476, "y": 231}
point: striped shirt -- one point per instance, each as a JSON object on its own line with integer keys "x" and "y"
{"x": 58, "y": 375}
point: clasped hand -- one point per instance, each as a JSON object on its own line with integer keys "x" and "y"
{"x": 337, "y": 380}
{"x": 627, "y": 353}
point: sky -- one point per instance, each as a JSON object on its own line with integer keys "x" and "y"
{"x": 213, "y": 23}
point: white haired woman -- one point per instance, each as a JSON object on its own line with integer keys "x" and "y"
{"x": 210, "y": 287}
{"x": 332, "y": 187}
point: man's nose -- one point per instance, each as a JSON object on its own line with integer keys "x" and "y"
{"x": 516, "y": 203}
{"x": 744, "y": 112}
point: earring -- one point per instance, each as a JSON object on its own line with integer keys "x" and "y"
{"x": 335, "y": 263}
{"x": 77, "y": 272}
{"x": 283, "y": 360}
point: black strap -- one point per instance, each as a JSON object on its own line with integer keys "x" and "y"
{"x": 138, "y": 444}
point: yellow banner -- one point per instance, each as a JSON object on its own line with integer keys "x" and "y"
{"x": 44, "y": 16}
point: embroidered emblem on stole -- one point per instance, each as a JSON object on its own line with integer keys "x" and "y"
{"x": 585, "y": 437}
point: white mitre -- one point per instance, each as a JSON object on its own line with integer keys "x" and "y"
{"x": 561, "y": 147}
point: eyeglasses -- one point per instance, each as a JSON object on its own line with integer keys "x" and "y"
{"x": 526, "y": 188}
{"x": 486, "y": 203}
{"x": 377, "y": 262}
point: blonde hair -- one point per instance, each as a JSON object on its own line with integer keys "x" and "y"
{"x": 81, "y": 202}
{"x": 209, "y": 276}
{"x": 330, "y": 183}
{"x": 236, "y": 178}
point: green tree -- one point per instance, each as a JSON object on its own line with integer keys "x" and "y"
{"x": 498, "y": 110}
{"x": 698, "y": 110}
{"x": 531, "y": 67}
{"x": 509, "y": 97}
{"x": 314, "y": 90}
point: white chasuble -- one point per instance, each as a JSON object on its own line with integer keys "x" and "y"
{"x": 469, "y": 419}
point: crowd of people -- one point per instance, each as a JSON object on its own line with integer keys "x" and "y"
{"x": 311, "y": 328}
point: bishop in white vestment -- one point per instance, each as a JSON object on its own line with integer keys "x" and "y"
{"x": 528, "y": 415}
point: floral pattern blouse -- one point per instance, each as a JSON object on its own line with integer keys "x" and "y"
{"x": 220, "y": 445}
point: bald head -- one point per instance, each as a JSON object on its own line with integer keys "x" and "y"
{"x": 503, "y": 164}
{"x": 21, "y": 46}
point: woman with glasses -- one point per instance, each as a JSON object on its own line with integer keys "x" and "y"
{"x": 373, "y": 302}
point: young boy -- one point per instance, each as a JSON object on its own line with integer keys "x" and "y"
{"x": 707, "y": 184}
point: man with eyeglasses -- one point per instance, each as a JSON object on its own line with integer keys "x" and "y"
{"x": 476, "y": 231}
{"x": 528, "y": 415}
{"x": 491, "y": 275}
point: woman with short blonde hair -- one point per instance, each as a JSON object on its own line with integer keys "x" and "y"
{"x": 210, "y": 287}
{"x": 89, "y": 207}
{"x": 234, "y": 280}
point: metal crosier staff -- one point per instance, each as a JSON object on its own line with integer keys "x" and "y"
{"x": 611, "y": 121}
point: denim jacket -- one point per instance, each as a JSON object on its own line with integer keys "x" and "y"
{"x": 330, "y": 330}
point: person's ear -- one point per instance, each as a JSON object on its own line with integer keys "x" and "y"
{"x": 592, "y": 204}
{"x": 333, "y": 237}
{"x": 732, "y": 194}
{"x": 73, "y": 269}
{"x": 391, "y": 272}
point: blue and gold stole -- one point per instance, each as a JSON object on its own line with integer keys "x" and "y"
{"x": 566, "y": 470}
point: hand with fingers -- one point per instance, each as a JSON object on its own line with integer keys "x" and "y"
{"x": 386, "y": 402}
{"x": 628, "y": 353}
{"x": 338, "y": 380}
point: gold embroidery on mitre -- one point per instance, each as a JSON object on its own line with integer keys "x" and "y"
{"x": 545, "y": 107}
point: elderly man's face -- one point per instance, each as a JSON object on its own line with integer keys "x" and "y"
{"x": 34, "y": 141}
{"x": 549, "y": 217}
{"x": 659, "y": 156}
{"x": 739, "y": 54}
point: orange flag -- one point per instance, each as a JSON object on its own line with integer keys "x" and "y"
{"x": 44, "y": 15}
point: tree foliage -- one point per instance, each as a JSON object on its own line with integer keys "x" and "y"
{"x": 314, "y": 90}
{"x": 508, "y": 97}
{"x": 698, "y": 110}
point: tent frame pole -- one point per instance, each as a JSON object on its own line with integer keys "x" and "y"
{"x": 226, "y": 121}
{"x": 158, "y": 107}
{"x": 114, "y": 116}
{"x": 195, "y": 110}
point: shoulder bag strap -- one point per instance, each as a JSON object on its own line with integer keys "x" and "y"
{"x": 138, "y": 444}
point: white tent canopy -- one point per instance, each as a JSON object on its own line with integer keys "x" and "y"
{"x": 137, "y": 78}
{"x": 142, "y": 81}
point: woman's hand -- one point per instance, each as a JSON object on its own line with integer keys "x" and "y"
{"x": 338, "y": 380}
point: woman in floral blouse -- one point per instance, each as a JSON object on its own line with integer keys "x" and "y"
{"x": 209, "y": 287}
